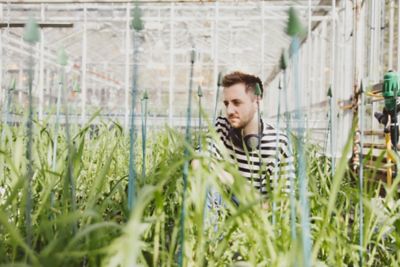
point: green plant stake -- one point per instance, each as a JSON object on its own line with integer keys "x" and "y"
{"x": 329, "y": 131}
{"x": 31, "y": 36}
{"x": 137, "y": 26}
{"x": 69, "y": 181}
{"x": 283, "y": 67}
{"x": 361, "y": 181}
{"x": 296, "y": 31}
{"x": 278, "y": 114}
{"x": 186, "y": 163}
{"x": 219, "y": 83}
{"x": 258, "y": 94}
{"x": 6, "y": 112}
{"x": 62, "y": 62}
{"x": 144, "y": 131}
{"x": 200, "y": 95}
{"x": 7, "y": 105}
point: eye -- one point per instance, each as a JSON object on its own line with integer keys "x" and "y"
{"x": 226, "y": 103}
{"x": 236, "y": 102}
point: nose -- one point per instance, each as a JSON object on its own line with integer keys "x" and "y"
{"x": 230, "y": 109}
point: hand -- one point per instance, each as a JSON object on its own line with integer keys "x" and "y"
{"x": 226, "y": 177}
{"x": 264, "y": 205}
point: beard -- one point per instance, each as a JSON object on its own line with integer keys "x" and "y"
{"x": 236, "y": 122}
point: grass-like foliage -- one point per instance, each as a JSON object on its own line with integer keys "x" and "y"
{"x": 102, "y": 232}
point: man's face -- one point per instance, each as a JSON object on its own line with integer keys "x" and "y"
{"x": 240, "y": 106}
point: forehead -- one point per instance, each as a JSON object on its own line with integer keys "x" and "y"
{"x": 236, "y": 91}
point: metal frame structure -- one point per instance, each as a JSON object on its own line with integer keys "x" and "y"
{"x": 227, "y": 35}
{"x": 355, "y": 42}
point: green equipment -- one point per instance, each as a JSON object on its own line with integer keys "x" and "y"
{"x": 390, "y": 90}
{"x": 390, "y": 93}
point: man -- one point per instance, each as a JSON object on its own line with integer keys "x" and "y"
{"x": 260, "y": 152}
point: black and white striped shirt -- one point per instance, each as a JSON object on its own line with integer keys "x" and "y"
{"x": 277, "y": 164}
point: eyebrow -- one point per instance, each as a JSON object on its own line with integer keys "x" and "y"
{"x": 236, "y": 100}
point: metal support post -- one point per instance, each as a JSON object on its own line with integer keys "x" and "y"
{"x": 127, "y": 51}
{"x": 83, "y": 66}
{"x": 41, "y": 65}
{"x": 171, "y": 65}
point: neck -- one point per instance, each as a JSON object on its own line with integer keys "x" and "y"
{"x": 252, "y": 127}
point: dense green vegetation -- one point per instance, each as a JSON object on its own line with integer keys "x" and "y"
{"x": 85, "y": 222}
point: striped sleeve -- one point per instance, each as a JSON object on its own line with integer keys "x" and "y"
{"x": 285, "y": 168}
{"x": 212, "y": 148}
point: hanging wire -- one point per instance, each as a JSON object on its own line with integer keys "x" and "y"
{"x": 186, "y": 164}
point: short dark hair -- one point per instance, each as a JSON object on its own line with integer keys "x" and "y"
{"x": 249, "y": 81}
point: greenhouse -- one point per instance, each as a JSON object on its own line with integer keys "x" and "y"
{"x": 199, "y": 133}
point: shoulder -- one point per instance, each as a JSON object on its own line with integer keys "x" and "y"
{"x": 222, "y": 124}
{"x": 270, "y": 133}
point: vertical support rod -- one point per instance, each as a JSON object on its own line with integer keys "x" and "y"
{"x": 357, "y": 73}
{"x": 200, "y": 95}
{"x": 29, "y": 126}
{"x": 47, "y": 85}
{"x": 333, "y": 85}
{"x": 55, "y": 138}
{"x": 302, "y": 174}
{"x": 371, "y": 39}
{"x": 382, "y": 36}
{"x": 186, "y": 164}
{"x": 310, "y": 79}
{"x": 171, "y": 65}
{"x": 41, "y": 65}
{"x": 3, "y": 89}
{"x": 391, "y": 33}
{"x": 127, "y": 50}
{"x": 262, "y": 76}
{"x": 398, "y": 35}
{"x": 276, "y": 171}
{"x": 330, "y": 132}
{"x": 215, "y": 55}
{"x": 144, "y": 133}
{"x": 376, "y": 37}
{"x": 292, "y": 182}
{"x": 137, "y": 26}
{"x": 83, "y": 66}
{"x": 70, "y": 181}
{"x": 20, "y": 81}
{"x": 322, "y": 49}
{"x": 361, "y": 181}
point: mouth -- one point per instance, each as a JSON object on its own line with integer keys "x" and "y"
{"x": 233, "y": 119}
